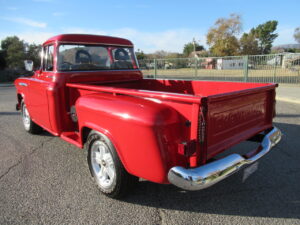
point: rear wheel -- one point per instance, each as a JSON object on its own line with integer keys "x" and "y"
{"x": 106, "y": 168}
{"x": 29, "y": 125}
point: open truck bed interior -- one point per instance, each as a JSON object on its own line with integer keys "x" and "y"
{"x": 188, "y": 87}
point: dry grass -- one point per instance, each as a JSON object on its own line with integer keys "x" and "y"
{"x": 190, "y": 72}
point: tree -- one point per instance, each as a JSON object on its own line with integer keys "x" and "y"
{"x": 264, "y": 33}
{"x": 297, "y": 34}
{"x": 249, "y": 44}
{"x": 33, "y": 53}
{"x": 226, "y": 47}
{"x": 189, "y": 48}
{"x": 222, "y": 36}
{"x": 2, "y": 60}
{"x": 14, "y": 52}
{"x": 140, "y": 54}
{"x": 160, "y": 54}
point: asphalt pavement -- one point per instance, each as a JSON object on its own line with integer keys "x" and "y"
{"x": 288, "y": 93}
{"x": 44, "y": 180}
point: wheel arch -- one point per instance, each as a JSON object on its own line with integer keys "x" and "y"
{"x": 87, "y": 128}
{"x": 19, "y": 97}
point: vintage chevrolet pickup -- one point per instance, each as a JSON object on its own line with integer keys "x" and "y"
{"x": 90, "y": 92}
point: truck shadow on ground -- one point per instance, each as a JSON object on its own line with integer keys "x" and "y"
{"x": 273, "y": 191}
{"x": 18, "y": 113}
{"x": 10, "y": 113}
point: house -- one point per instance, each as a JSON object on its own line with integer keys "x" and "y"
{"x": 230, "y": 64}
{"x": 208, "y": 63}
{"x": 290, "y": 60}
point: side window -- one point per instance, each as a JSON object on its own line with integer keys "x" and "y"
{"x": 48, "y": 58}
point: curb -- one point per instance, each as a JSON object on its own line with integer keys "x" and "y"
{"x": 288, "y": 100}
{"x": 6, "y": 85}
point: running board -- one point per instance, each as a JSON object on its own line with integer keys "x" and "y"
{"x": 72, "y": 137}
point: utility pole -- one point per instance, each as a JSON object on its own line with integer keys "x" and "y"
{"x": 194, "y": 44}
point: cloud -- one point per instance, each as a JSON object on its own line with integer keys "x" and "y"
{"x": 78, "y": 30}
{"x": 30, "y": 37}
{"x": 172, "y": 40}
{"x": 285, "y": 35}
{"x": 27, "y": 22}
{"x": 169, "y": 40}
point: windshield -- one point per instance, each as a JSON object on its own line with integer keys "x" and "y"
{"x": 91, "y": 57}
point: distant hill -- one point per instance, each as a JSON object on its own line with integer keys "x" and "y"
{"x": 287, "y": 46}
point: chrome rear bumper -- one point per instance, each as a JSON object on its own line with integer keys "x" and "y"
{"x": 211, "y": 173}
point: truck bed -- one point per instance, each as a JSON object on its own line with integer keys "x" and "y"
{"x": 221, "y": 114}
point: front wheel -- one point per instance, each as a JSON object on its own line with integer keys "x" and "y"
{"x": 28, "y": 124}
{"x": 106, "y": 168}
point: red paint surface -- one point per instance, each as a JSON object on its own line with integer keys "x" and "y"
{"x": 147, "y": 120}
{"x": 82, "y": 38}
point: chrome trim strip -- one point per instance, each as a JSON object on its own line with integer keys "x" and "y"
{"x": 212, "y": 173}
{"x": 23, "y": 84}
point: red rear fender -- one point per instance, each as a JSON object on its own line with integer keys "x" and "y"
{"x": 145, "y": 133}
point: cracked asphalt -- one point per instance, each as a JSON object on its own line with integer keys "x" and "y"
{"x": 44, "y": 180}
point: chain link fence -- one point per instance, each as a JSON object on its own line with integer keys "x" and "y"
{"x": 279, "y": 68}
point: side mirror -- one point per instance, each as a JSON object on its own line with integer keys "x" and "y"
{"x": 28, "y": 65}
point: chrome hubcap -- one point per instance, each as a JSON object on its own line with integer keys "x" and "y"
{"x": 26, "y": 118}
{"x": 102, "y": 164}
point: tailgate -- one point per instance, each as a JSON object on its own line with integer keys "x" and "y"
{"x": 234, "y": 117}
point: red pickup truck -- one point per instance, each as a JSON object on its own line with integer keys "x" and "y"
{"x": 90, "y": 92}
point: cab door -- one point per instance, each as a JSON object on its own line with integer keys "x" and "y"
{"x": 38, "y": 100}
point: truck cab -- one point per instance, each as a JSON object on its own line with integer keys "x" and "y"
{"x": 90, "y": 92}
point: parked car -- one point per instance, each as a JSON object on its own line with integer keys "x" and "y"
{"x": 90, "y": 92}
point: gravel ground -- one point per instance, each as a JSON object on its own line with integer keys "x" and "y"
{"x": 44, "y": 180}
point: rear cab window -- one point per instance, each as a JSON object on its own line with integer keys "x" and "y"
{"x": 95, "y": 57}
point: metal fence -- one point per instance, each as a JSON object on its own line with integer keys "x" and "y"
{"x": 279, "y": 68}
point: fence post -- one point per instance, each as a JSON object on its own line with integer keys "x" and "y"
{"x": 246, "y": 59}
{"x": 155, "y": 68}
{"x": 196, "y": 67}
{"x": 274, "y": 74}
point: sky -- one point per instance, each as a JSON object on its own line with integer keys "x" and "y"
{"x": 150, "y": 25}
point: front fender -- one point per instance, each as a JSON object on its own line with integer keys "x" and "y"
{"x": 21, "y": 85}
{"x": 145, "y": 133}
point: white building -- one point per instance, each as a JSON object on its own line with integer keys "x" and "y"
{"x": 230, "y": 64}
